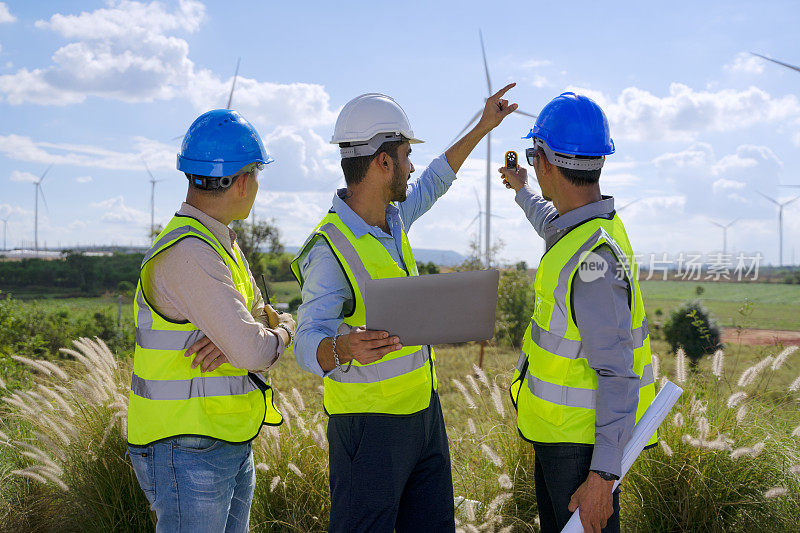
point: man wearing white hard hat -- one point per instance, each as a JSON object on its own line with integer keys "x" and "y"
{"x": 389, "y": 459}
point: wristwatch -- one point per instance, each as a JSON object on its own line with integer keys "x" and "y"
{"x": 288, "y": 331}
{"x": 607, "y": 476}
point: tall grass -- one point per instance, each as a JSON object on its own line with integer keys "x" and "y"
{"x": 728, "y": 458}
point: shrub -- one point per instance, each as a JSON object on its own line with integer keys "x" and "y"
{"x": 514, "y": 306}
{"x": 691, "y": 327}
{"x": 427, "y": 268}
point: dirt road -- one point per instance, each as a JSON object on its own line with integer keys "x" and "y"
{"x": 761, "y": 337}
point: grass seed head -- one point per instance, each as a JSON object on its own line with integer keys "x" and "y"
{"x": 735, "y": 399}
{"x": 775, "y": 492}
{"x": 782, "y": 356}
{"x": 680, "y": 366}
{"x": 718, "y": 363}
{"x": 274, "y": 483}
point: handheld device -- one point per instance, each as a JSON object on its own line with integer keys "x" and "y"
{"x": 511, "y": 163}
{"x": 265, "y": 293}
{"x": 511, "y": 160}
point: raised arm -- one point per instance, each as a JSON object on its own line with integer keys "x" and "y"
{"x": 495, "y": 110}
{"x": 537, "y": 210}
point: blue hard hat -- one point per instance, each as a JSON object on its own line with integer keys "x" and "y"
{"x": 573, "y": 124}
{"x": 219, "y": 143}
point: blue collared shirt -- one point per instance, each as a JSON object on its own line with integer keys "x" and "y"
{"x": 326, "y": 292}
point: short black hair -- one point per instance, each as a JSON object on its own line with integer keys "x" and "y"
{"x": 581, "y": 178}
{"x": 355, "y": 168}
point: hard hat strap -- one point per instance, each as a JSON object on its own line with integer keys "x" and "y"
{"x": 369, "y": 147}
{"x": 569, "y": 160}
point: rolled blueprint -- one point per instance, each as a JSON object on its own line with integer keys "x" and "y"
{"x": 647, "y": 425}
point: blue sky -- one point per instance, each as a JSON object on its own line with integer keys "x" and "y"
{"x": 699, "y": 124}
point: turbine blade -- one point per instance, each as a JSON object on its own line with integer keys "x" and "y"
{"x": 178, "y": 137}
{"x": 45, "y": 173}
{"x": 792, "y": 200}
{"x": 152, "y": 178}
{"x": 485, "y": 64}
{"x": 233, "y": 85}
{"x": 469, "y": 124}
{"x": 477, "y": 217}
{"x": 478, "y": 199}
{"x": 716, "y": 223}
{"x": 787, "y": 65}
{"x": 793, "y": 186}
{"x": 526, "y": 114}
{"x": 768, "y": 198}
{"x": 41, "y": 191}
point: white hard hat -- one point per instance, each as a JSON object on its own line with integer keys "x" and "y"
{"x": 369, "y": 120}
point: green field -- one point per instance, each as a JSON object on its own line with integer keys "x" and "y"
{"x": 745, "y": 304}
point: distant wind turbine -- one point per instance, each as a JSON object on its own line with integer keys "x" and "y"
{"x": 478, "y": 218}
{"x": 38, "y": 186}
{"x": 787, "y": 65}
{"x": 627, "y": 205}
{"x": 153, "y": 182}
{"x": 780, "y": 205}
{"x": 488, "y": 242}
{"x": 5, "y": 226}
{"x": 724, "y": 233}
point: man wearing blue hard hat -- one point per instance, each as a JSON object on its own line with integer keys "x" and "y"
{"x": 584, "y": 376}
{"x": 204, "y": 337}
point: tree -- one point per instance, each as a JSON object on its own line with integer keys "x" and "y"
{"x": 252, "y": 237}
{"x": 427, "y": 268}
{"x": 515, "y": 301}
{"x": 692, "y": 328}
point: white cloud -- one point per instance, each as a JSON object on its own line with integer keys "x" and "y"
{"x": 746, "y": 63}
{"x": 22, "y": 148}
{"x": 720, "y": 186}
{"x": 685, "y": 113}
{"x": 129, "y": 52}
{"x": 539, "y": 81}
{"x": 536, "y": 63}
{"x": 117, "y": 212}
{"x": 23, "y": 177}
{"x": 15, "y": 211}
{"x": 5, "y": 15}
{"x": 83, "y": 179}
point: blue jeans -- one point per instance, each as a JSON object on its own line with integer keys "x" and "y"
{"x": 197, "y": 484}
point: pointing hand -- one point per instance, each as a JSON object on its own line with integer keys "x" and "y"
{"x": 497, "y": 108}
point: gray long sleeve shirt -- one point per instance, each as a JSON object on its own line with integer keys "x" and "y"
{"x": 603, "y": 318}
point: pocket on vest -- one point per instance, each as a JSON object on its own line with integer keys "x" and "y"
{"x": 221, "y": 405}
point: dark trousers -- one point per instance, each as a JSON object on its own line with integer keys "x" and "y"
{"x": 560, "y": 470}
{"x": 391, "y": 473}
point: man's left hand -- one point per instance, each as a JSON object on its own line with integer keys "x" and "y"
{"x": 496, "y": 109}
{"x": 594, "y": 497}
{"x": 207, "y": 355}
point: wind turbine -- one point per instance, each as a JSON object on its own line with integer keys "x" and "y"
{"x": 724, "y": 233}
{"x": 5, "y": 226}
{"x": 780, "y": 205}
{"x": 38, "y": 186}
{"x": 627, "y": 205}
{"x": 230, "y": 95}
{"x": 488, "y": 242}
{"x": 787, "y": 65}
{"x": 477, "y": 218}
{"x": 153, "y": 182}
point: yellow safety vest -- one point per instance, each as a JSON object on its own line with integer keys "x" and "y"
{"x": 401, "y": 382}
{"x": 169, "y": 398}
{"x": 554, "y": 387}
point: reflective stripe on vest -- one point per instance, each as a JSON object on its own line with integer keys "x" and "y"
{"x": 574, "y": 396}
{"x": 379, "y": 370}
{"x": 572, "y": 349}
{"x": 185, "y": 389}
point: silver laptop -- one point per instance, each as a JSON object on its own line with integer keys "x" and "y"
{"x": 435, "y": 308}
